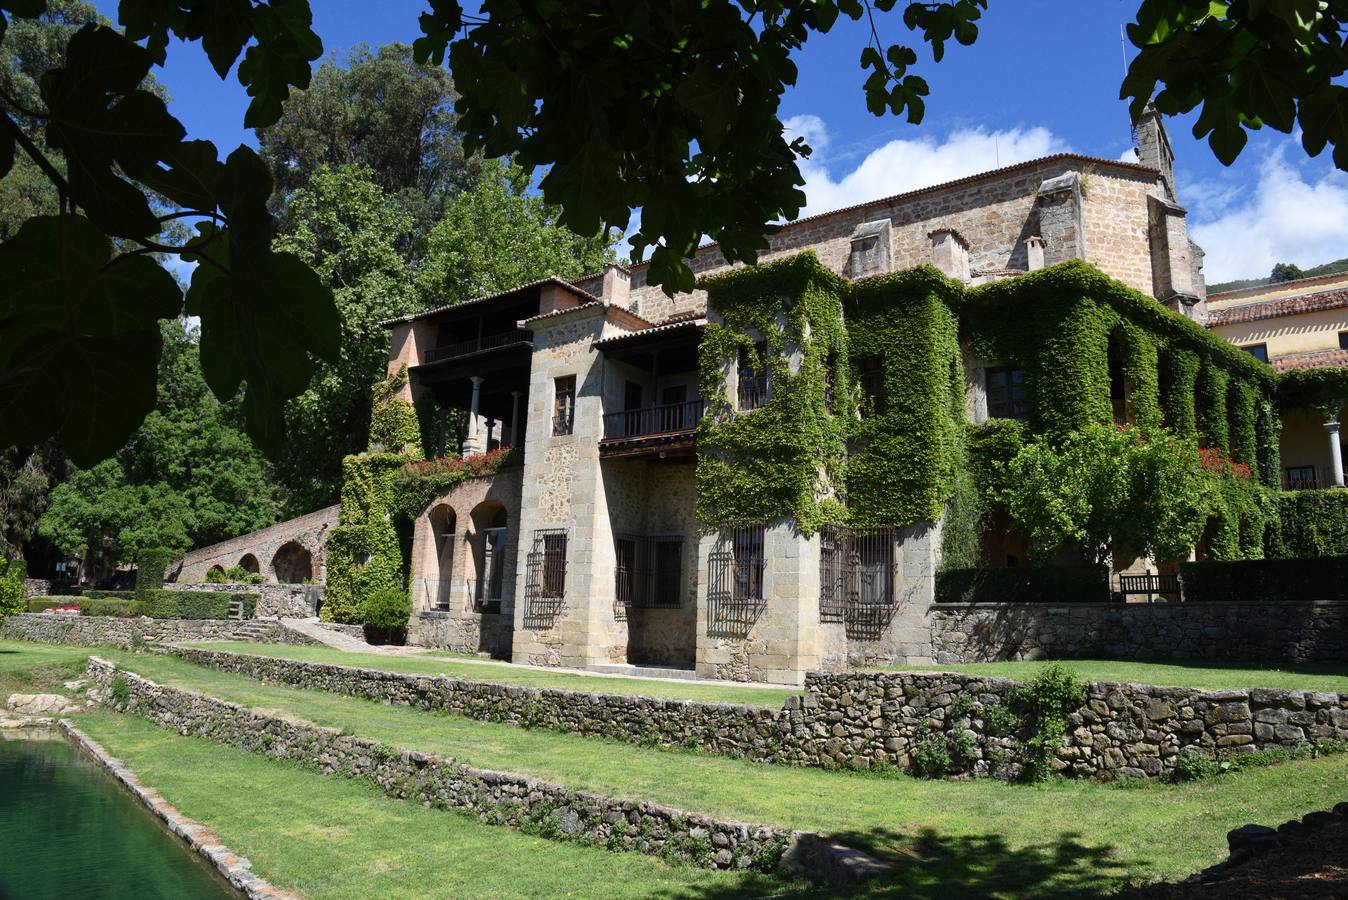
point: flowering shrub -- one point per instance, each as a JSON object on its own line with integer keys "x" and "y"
{"x": 1213, "y": 460}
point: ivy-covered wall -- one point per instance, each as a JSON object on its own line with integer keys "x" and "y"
{"x": 1065, "y": 328}
{"x": 786, "y": 458}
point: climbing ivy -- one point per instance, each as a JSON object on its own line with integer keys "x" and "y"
{"x": 786, "y": 458}
{"x": 393, "y": 422}
{"x": 1214, "y": 426}
{"x": 1323, "y": 390}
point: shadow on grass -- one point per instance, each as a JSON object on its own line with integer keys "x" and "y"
{"x": 931, "y": 866}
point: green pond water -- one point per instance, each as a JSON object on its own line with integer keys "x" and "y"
{"x": 68, "y": 831}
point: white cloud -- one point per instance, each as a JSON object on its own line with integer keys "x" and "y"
{"x": 906, "y": 165}
{"x": 1284, "y": 217}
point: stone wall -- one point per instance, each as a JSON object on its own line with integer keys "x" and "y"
{"x": 94, "y": 631}
{"x": 864, "y": 719}
{"x": 497, "y": 798}
{"x": 36, "y": 587}
{"x": 294, "y": 601}
{"x": 1290, "y": 632}
{"x": 308, "y": 531}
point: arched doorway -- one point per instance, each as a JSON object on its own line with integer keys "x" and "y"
{"x": 293, "y": 564}
{"x": 249, "y": 564}
{"x": 215, "y": 574}
{"x": 439, "y": 573}
{"x": 489, "y": 555}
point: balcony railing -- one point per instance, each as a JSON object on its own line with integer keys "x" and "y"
{"x": 1300, "y": 478}
{"x": 671, "y": 418}
{"x": 476, "y": 345}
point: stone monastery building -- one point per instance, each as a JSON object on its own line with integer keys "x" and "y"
{"x": 749, "y": 480}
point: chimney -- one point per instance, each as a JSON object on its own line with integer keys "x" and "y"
{"x": 1153, "y": 147}
{"x": 870, "y": 252}
{"x": 616, "y": 286}
{"x": 950, "y": 253}
{"x": 1034, "y": 253}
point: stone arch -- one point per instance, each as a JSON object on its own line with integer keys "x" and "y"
{"x": 217, "y": 570}
{"x": 491, "y": 559}
{"x": 439, "y": 563}
{"x": 293, "y": 563}
{"x": 248, "y": 562}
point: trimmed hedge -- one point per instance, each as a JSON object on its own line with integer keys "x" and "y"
{"x": 108, "y": 595}
{"x": 1035, "y": 584}
{"x": 1314, "y": 524}
{"x": 42, "y": 604}
{"x": 1266, "y": 580}
{"x": 170, "y": 604}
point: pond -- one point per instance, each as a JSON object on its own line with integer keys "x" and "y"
{"x": 68, "y": 831}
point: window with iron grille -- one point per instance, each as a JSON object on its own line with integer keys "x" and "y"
{"x": 829, "y": 387}
{"x": 649, "y": 571}
{"x": 872, "y": 384}
{"x": 1300, "y": 478}
{"x": 735, "y": 592}
{"x": 545, "y": 584}
{"x": 753, "y": 376}
{"x": 1006, "y": 392}
{"x": 564, "y": 405}
{"x": 858, "y": 578}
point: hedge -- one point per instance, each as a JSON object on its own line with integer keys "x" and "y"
{"x": 42, "y": 604}
{"x": 1033, "y": 584}
{"x": 108, "y": 595}
{"x": 170, "y": 604}
{"x": 1266, "y": 580}
{"x": 1313, "y": 524}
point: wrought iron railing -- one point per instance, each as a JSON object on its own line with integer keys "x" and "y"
{"x": 858, "y": 579}
{"x": 753, "y": 389}
{"x": 669, "y": 418}
{"x": 737, "y": 569}
{"x": 1300, "y": 478}
{"x": 477, "y": 345}
{"x": 649, "y": 573}
{"x": 545, "y": 581}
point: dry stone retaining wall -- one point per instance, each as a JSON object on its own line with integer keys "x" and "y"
{"x": 36, "y": 587}
{"x": 93, "y": 631}
{"x": 498, "y": 798}
{"x": 1293, "y": 632}
{"x": 864, "y": 719}
{"x": 297, "y": 601}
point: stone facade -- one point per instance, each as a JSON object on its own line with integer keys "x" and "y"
{"x": 288, "y": 552}
{"x": 94, "y": 631}
{"x": 496, "y": 798}
{"x": 292, "y": 601}
{"x": 863, "y": 719}
{"x": 1292, "y": 632}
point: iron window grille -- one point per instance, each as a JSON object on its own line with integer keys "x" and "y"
{"x": 753, "y": 377}
{"x": 649, "y": 572}
{"x": 1006, "y": 393}
{"x": 858, "y": 579}
{"x": 1300, "y": 478}
{"x": 545, "y": 586}
{"x": 564, "y": 406}
{"x": 872, "y": 384}
{"x": 736, "y": 578}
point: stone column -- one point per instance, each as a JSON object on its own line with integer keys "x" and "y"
{"x": 515, "y": 419}
{"x": 1335, "y": 451}
{"x": 472, "y": 443}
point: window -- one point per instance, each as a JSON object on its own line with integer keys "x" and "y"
{"x": 668, "y": 573}
{"x": 1006, "y": 392}
{"x": 625, "y": 574}
{"x": 554, "y": 564}
{"x": 872, "y": 370}
{"x": 564, "y": 405}
{"x": 857, "y": 578}
{"x": 1300, "y": 478}
{"x": 753, "y": 376}
{"x": 1343, "y": 340}
{"x": 1259, "y": 351}
{"x": 747, "y": 552}
{"x": 649, "y": 572}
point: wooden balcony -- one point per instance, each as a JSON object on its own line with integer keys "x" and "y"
{"x": 478, "y": 345}
{"x": 658, "y": 431}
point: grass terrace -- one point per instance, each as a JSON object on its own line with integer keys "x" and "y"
{"x": 505, "y": 673}
{"x": 1226, "y": 676}
{"x": 970, "y": 838}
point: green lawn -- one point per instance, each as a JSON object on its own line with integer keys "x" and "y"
{"x": 1305, "y": 677}
{"x": 505, "y": 673}
{"x": 342, "y": 839}
{"x": 971, "y": 838}
{"x": 27, "y": 668}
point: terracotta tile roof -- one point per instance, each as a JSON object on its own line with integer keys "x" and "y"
{"x": 1273, "y": 287}
{"x": 1315, "y": 359}
{"x": 1273, "y": 309}
{"x": 551, "y": 279}
{"x": 1095, "y": 161}
{"x": 670, "y": 324}
{"x": 621, "y": 310}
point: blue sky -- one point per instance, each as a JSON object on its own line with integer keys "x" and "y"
{"x": 1043, "y": 77}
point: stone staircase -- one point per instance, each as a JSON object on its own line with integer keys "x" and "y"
{"x": 312, "y": 628}
{"x": 256, "y": 630}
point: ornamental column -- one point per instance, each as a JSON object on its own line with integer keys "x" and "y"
{"x": 1335, "y": 451}
{"x": 471, "y": 444}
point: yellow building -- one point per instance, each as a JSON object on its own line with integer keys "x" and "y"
{"x": 1292, "y": 325}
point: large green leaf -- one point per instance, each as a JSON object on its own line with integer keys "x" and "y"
{"x": 79, "y": 337}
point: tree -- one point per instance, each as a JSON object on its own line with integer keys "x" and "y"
{"x": 27, "y": 476}
{"x": 496, "y": 235}
{"x": 1285, "y": 272}
{"x": 671, "y": 109}
{"x": 345, "y": 227}
{"x": 381, "y": 110}
{"x": 188, "y": 476}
